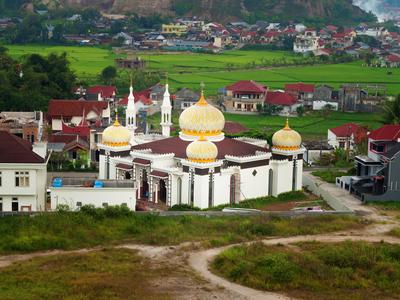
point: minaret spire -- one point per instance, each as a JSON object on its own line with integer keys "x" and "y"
{"x": 130, "y": 119}
{"x": 166, "y": 111}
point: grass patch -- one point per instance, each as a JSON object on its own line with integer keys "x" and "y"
{"x": 386, "y": 205}
{"x": 329, "y": 176}
{"x": 74, "y": 230}
{"x": 108, "y": 274}
{"x": 349, "y": 270}
{"x": 260, "y": 203}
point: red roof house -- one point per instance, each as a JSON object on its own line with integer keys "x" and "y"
{"x": 247, "y": 86}
{"x": 300, "y": 90}
{"x": 386, "y": 133}
{"x": 106, "y": 91}
{"x": 280, "y": 98}
{"x": 14, "y": 149}
{"x": 71, "y": 108}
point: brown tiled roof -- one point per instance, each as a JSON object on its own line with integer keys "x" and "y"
{"x": 71, "y": 108}
{"x": 16, "y": 150}
{"x": 234, "y": 127}
{"x": 159, "y": 174}
{"x": 175, "y": 145}
{"x": 140, "y": 161}
{"x": 124, "y": 166}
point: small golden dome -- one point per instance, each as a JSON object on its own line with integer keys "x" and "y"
{"x": 201, "y": 119}
{"x": 202, "y": 151}
{"x": 116, "y": 135}
{"x": 286, "y": 139}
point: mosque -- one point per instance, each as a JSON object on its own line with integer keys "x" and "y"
{"x": 200, "y": 167}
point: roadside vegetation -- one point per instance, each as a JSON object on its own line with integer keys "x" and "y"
{"x": 348, "y": 270}
{"x": 329, "y": 175}
{"x": 107, "y": 274}
{"x": 91, "y": 227}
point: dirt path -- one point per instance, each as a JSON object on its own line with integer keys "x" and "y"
{"x": 193, "y": 279}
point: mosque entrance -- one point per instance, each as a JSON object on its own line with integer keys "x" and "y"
{"x": 163, "y": 192}
{"x": 144, "y": 189}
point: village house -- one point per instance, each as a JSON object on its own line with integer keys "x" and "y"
{"x": 22, "y": 175}
{"x": 74, "y": 112}
{"x": 377, "y": 177}
{"x": 101, "y": 93}
{"x": 244, "y": 96}
{"x": 307, "y": 42}
{"x": 286, "y": 102}
{"x": 185, "y": 98}
{"x": 346, "y": 136}
{"x": 302, "y": 91}
{"x": 26, "y": 125}
{"x": 174, "y": 29}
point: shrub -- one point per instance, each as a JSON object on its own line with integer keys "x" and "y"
{"x": 183, "y": 207}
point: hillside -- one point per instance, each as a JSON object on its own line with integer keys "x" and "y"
{"x": 324, "y": 11}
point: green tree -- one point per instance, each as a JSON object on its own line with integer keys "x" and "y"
{"x": 108, "y": 74}
{"x": 300, "y": 110}
{"x": 391, "y": 111}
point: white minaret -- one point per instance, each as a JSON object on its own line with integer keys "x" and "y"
{"x": 130, "y": 113}
{"x": 166, "y": 111}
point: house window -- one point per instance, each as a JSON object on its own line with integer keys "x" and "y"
{"x": 1, "y": 204}
{"x": 14, "y": 204}
{"x": 22, "y": 179}
{"x": 379, "y": 148}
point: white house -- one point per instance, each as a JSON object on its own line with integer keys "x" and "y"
{"x": 307, "y": 42}
{"x": 345, "y": 136}
{"x": 22, "y": 175}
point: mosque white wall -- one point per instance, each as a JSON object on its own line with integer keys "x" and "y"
{"x": 92, "y": 196}
{"x": 282, "y": 176}
{"x": 222, "y": 188}
{"x": 102, "y": 167}
{"x": 201, "y": 191}
{"x": 254, "y": 186}
{"x": 299, "y": 175}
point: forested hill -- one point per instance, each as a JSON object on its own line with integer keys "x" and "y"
{"x": 324, "y": 11}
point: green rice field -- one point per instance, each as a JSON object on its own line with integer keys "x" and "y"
{"x": 85, "y": 61}
{"x": 220, "y": 70}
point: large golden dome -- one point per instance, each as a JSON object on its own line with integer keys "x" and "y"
{"x": 202, "y": 151}
{"x": 201, "y": 119}
{"x": 286, "y": 139}
{"x": 116, "y": 135}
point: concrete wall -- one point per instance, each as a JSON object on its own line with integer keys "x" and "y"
{"x": 92, "y": 196}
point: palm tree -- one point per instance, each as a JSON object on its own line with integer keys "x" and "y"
{"x": 391, "y": 111}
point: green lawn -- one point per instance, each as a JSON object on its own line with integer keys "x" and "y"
{"x": 349, "y": 270}
{"x": 86, "y": 61}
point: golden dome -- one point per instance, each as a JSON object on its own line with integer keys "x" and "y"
{"x": 201, "y": 119}
{"x": 116, "y": 135}
{"x": 286, "y": 139}
{"x": 202, "y": 151}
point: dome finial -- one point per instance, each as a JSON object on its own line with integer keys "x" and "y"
{"x": 202, "y": 101}
{"x": 116, "y": 123}
{"x": 287, "y": 124}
